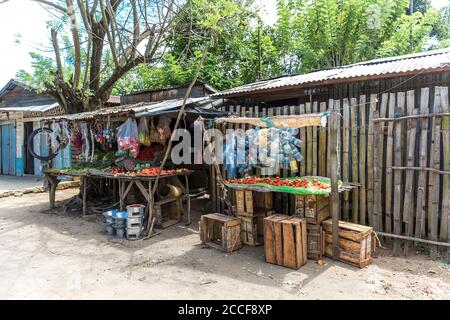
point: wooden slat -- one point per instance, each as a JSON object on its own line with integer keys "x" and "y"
{"x": 309, "y": 143}
{"x": 376, "y": 176}
{"x": 345, "y": 156}
{"x": 289, "y": 254}
{"x": 315, "y": 109}
{"x": 303, "y": 138}
{"x": 323, "y": 145}
{"x": 278, "y": 243}
{"x": 445, "y": 218}
{"x": 389, "y": 161}
{"x": 421, "y": 182}
{"x": 378, "y": 189}
{"x": 269, "y": 241}
{"x": 362, "y": 159}
{"x": 293, "y": 169}
{"x": 286, "y": 173}
{"x": 330, "y": 108}
{"x": 408, "y": 203}
{"x": 355, "y": 158}
{"x": 370, "y": 142}
{"x": 433, "y": 181}
{"x": 398, "y": 174}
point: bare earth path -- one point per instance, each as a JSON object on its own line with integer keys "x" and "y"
{"x": 52, "y": 255}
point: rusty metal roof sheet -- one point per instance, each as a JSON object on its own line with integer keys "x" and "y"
{"x": 419, "y": 62}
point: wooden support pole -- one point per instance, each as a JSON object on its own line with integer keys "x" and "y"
{"x": 355, "y": 159}
{"x": 84, "y": 194}
{"x": 376, "y": 175}
{"x": 334, "y": 197}
{"x": 421, "y": 182}
{"x": 395, "y": 236}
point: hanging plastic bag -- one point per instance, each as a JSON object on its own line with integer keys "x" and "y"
{"x": 144, "y": 133}
{"x": 164, "y": 129}
{"x": 128, "y": 138}
{"x": 85, "y": 148}
{"x": 154, "y": 135}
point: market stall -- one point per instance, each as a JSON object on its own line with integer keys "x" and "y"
{"x": 265, "y": 146}
{"x": 117, "y": 155}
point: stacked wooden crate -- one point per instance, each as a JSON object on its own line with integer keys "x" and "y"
{"x": 220, "y": 231}
{"x": 356, "y": 242}
{"x": 285, "y": 241}
{"x": 314, "y": 209}
{"x": 252, "y": 207}
{"x": 168, "y": 212}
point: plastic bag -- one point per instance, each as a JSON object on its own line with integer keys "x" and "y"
{"x": 128, "y": 138}
{"x": 85, "y": 148}
{"x": 144, "y": 133}
{"x": 163, "y": 129}
{"x": 154, "y": 134}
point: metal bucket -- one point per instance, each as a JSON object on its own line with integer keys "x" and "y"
{"x": 135, "y": 210}
{"x": 120, "y": 233}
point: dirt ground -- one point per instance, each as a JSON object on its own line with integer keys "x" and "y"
{"x": 54, "y": 255}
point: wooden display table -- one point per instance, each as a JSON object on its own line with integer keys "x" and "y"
{"x": 125, "y": 183}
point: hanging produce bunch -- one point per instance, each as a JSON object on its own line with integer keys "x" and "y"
{"x": 270, "y": 147}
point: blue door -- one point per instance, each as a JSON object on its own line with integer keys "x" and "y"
{"x": 8, "y": 149}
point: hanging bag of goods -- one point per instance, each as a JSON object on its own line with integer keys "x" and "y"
{"x": 163, "y": 129}
{"x": 154, "y": 135}
{"x": 144, "y": 133}
{"x": 128, "y": 138}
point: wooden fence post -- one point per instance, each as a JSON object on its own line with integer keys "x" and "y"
{"x": 408, "y": 204}
{"x": 423, "y": 143}
{"x": 398, "y": 173}
{"x": 376, "y": 174}
{"x": 334, "y": 197}
{"x": 345, "y": 156}
{"x": 445, "y": 217}
{"x": 355, "y": 157}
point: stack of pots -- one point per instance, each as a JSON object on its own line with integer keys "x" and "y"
{"x": 109, "y": 221}
{"x": 135, "y": 221}
{"x": 120, "y": 223}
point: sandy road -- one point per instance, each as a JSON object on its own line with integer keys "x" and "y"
{"x": 53, "y": 255}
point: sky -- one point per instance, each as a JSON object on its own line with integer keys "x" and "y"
{"x": 28, "y": 19}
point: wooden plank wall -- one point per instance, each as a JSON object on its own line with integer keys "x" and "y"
{"x": 379, "y": 155}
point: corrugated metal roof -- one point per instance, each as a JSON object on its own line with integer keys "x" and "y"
{"x": 139, "y": 109}
{"x": 420, "y": 62}
{"x": 31, "y": 108}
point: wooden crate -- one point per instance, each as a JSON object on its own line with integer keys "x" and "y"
{"x": 316, "y": 241}
{"x": 314, "y": 208}
{"x": 285, "y": 241}
{"x": 168, "y": 212}
{"x": 356, "y": 242}
{"x": 252, "y": 226}
{"x": 220, "y": 231}
{"x": 249, "y": 201}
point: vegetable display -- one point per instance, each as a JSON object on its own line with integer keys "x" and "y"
{"x": 295, "y": 185}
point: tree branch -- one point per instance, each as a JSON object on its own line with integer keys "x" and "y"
{"x": 52, "y": 4}
{"x": 76, "y": 43}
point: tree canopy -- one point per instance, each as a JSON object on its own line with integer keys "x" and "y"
{"x": 308, "y": 35}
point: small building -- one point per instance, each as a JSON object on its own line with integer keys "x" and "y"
{"x": 23, "y": 110}
{"x": 20, "y": 111}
